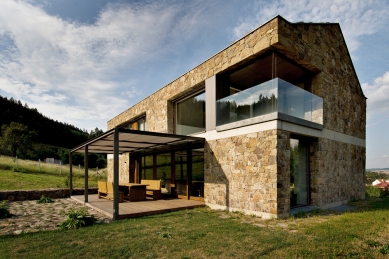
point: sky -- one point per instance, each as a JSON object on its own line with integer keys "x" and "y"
{"x": 84, "y": 62}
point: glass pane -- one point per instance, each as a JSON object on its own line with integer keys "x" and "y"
{"x": 181, "y": 173}
{"x": 299, "y": 177}
{"x": 191, "y": 115}
{"x": 147, "y": 168}
{"x": 272, "y": 96}
{"x": 163, "y": 172}
{"x": 252, "y": 102}
{"x": 197, "y": 187}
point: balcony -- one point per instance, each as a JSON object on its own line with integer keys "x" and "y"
{"x": 274, "y": 99}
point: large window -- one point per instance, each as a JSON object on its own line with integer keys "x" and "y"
{"x": 261, "y": 70}
{"x": 190, "y": 115}
{"x": 138, "y": 124}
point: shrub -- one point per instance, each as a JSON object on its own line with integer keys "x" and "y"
{"x": 4, "y": 213}
{"x": 372, "y": 191}
{"x": 44, "y": 199}
{"x": 77, "y": 219}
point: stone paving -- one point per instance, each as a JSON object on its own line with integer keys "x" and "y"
{"x": 29, "y": 216}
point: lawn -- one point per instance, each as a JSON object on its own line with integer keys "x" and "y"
{"x": 203, "y": 233}
{"x": 30, "y": 175}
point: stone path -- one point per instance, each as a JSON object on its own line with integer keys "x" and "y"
{"x": 28, "y": 216}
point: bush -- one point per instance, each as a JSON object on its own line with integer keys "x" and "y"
{"x": 44, "y": 199}
{"x": 372, "y": 191}
{"x": 77, "y": 219}
{"x": 4, "y": 213}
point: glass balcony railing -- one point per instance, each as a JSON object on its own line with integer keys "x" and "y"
{"x": 272, "y": 96}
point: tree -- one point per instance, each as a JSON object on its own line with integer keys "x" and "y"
{"x": 95, "y": 133}
{"x": 16, "y": 136}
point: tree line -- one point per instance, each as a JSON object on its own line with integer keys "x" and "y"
{"x": 28, "y": 134}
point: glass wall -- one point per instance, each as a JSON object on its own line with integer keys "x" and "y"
{"x": 190, "y": 115}
{"x": 163, "y": 172}
{"x": 147, "y": 168}
{"x": 274, "y": 95}
{"x": 197, "y": 184}
{"x": 181, "y": 173}
{"x": 299, "y": 173}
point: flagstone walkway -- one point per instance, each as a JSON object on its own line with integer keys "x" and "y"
{"x": 28, "y": 216}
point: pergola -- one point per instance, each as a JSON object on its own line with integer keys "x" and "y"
{"x": 117, "y": 141}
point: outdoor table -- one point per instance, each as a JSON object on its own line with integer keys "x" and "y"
{"x": 134, "y": 191}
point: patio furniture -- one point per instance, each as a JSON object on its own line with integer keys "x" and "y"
{"x": 110, "y": 192}
{"x": 134, "y": 191}
{"x": 153, "y": 189}
{"x": 102, "y": 189}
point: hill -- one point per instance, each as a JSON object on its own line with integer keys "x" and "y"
{"x": 50, "y": 132}
{"x": 54, "y": 138}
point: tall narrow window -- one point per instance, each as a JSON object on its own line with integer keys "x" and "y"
{"x": 190, "y": 115}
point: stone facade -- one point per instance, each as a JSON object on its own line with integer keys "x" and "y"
{"x": 251, "y": 172}
{"x": 240, "y": 172}
{"x": 337, "y": 172}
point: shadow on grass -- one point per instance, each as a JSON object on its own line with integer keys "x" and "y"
{"x": 368, "y": 204}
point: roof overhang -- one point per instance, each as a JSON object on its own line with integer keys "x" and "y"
{"x": 135, "y": 141}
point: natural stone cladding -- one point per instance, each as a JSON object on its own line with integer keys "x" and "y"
{"x": 242, "y": 172}
{"x": 251, "y": 172}
{"x": 337, "y": 172}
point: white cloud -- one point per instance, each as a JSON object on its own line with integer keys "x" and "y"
{"x": 378, "y": 95}
{"x": 67, "y": 69}
{"x": 356, "y": 17}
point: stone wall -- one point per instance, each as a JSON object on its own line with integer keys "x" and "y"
{"x": 321, "y": 48}
{"x": 156, "y": 106}
{"x": 337, "y": 172}
{"x": 124, "y": 168}
{"x": 241, "y": 173}
{"x": 24, "y": 195}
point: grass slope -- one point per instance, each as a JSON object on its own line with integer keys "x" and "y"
{"x": 28, "y": 176}
{"x": 202, "y": 233}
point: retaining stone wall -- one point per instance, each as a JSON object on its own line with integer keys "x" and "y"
{"x": 25, "y": 195}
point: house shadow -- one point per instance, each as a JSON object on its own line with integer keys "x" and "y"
{"x": 218, "y": 185}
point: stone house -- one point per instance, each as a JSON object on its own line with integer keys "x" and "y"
{"x": 283, "y": 116}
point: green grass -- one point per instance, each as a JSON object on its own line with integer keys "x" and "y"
{"x": 28, "y": 176}
{"x": 202, "y": 233}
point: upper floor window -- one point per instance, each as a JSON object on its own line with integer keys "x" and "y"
{"x": 261, "y": 70}
{"x": 190, "y": 114}
{"x": 138, "y": 124}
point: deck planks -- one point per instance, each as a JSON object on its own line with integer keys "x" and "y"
{"x": 140, "y": 208}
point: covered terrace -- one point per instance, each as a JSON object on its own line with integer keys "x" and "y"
{"x": 118, "y": 141}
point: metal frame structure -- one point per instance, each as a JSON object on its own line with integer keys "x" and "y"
{"x": 117, "y": 141}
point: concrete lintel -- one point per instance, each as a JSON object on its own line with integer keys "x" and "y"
{"x": 210, "y": 103}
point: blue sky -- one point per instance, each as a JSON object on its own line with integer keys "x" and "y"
{"x": 84, "y": 62}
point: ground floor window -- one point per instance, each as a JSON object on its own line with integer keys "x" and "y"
{"x": 299, "y": 173}
{"x": 181, "y": 172}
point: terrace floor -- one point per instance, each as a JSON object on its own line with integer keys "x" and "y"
{"x": 138, "y": 209}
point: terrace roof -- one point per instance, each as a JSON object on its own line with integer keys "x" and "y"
{"x": 134, "y": 141}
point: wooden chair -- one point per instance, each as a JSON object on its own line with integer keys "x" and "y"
{"x": 153, "y": 189}
{"x": 110, "y": 192}
{"x": 102, "y": 189}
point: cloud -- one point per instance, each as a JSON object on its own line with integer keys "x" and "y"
{"x": 68, "y": 70}
{"x": 378, "y": 95}
{"x": 356, "y": 17}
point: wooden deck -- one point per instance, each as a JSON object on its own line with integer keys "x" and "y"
{"x": 138, "y": 209}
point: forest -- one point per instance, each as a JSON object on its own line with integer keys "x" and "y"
{"x": 51, "y": 137}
